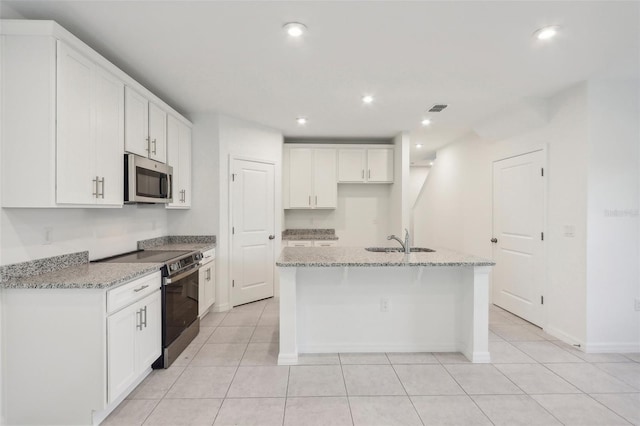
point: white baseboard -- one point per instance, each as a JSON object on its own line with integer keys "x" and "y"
{"x": 612, "y": 347}
{"x": 346, "y": 348}
{"x": 220, "y": 308}
{"x": 565, "y": 337}
{"x": 288, "y": 359}
{"x": 100, "y": 416}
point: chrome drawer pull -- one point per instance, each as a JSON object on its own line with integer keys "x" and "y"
{"x": 141, "y": 288}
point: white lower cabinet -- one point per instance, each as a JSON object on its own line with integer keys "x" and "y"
{"x": 207, "y": 282}
{"x": 74, "y": 354}
{"x": 133, "y": 342}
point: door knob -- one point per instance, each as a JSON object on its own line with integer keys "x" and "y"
{"x": 271, "y": 237}
{"x": 494, "y": 240}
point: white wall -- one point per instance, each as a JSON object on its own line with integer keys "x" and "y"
{"x": 103, "y": 232}
{"x": 400, "y": 210}
{"x": 454, "y": 208}
{"x": 612, "y": 223}
{"x": 361, "y": 218}
{"x": 241, "y": 138}
{"x": 203, "y": 217}
{"x": 417, "y": 178}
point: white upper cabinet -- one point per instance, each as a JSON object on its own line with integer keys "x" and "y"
{"x": 365, "y": 165}
{"x": 67, "y": 114}
{"x": 311, "y": 177}
{"x": 89, "y": 168}
{"x": 380, "y": 165}
{"x": 352, "y": 164}
{"x": 145, "y": 127}
{"x": 179, "y": 157}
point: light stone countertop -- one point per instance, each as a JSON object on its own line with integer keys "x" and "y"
{"x": 184, "y": 246}
{"x": 358, "y": 256}
{"x": 84, "y": 276}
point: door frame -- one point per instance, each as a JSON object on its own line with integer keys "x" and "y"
{"x": 232, "y": 159}
{"x": 505, "y": 154}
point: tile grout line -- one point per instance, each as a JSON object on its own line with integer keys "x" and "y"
{"x": 405, "y": 390}
{"x": 286, "y": 395}
{"x": 346, "y": 391}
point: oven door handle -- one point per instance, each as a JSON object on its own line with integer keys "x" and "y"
{"x": 182, "y": 275}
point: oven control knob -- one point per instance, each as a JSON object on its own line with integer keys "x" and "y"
{"x": 174, "y": 267}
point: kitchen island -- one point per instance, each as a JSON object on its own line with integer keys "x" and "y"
{"x": 347, "y": 299}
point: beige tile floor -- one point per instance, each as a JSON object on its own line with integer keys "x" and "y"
{"x": 229, "y": 376}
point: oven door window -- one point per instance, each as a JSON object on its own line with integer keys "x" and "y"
{"x": 181, "y": 304}
{"x": 150, "y": 183}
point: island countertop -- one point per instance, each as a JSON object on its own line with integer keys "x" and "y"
{"x": 358, "y": 256}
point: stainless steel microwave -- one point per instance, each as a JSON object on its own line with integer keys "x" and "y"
{"x": 146, "y": 181}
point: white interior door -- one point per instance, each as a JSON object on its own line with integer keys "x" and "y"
{"x": 518, "y": 225}
{"x": 253, "y": 227}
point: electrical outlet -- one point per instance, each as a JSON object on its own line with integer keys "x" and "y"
{"x": 569, "y": 231}
{"x": 48, "y": 232}
{"x": 637, "y": 304}
{"x": 384, "y": 305}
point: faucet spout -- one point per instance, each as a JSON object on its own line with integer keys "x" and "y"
{"x": 406, "y": 246}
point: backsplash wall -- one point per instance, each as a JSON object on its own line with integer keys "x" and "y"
{"x": 361, "y": 219}
{"x": 103, "y": 232}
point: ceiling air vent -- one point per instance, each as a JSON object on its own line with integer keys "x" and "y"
{"x": 437, "y": 107}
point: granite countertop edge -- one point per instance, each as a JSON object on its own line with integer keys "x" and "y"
{"x": 358, "y": 257}
{"x": 88, "y": 276}
{"x": 308, "y": 237}
{"x": 183, "y": 246}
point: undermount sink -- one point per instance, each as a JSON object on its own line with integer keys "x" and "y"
{"x": 398, "y": 249}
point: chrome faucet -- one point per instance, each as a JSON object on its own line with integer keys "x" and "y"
{"x": 405, "y": 246}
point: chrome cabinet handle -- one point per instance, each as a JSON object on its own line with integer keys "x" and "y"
{"x": 143, "y": 321}
{"x": 316, "y": 200}
{"x": 154, "y": 146}
{"x": 148, "y": 148}
{"x": 141, "y": 288}
{"x": 139, "y": 319}
{"x": 95, "y": 187}
{"x": 362, "y": 173}
{"x": 494, "y": 240}
{"x": 102, "y": 182}
{"x": 209, "y": 274}
{"x": 309, "y": 199}
{"x": 369, "y": 176}
{"x": 271, "y": 237}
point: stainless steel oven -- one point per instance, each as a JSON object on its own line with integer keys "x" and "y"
{"x": 180, "y": 317}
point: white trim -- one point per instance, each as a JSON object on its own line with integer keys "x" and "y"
{"x": 350, "y": 348}
{"x": 612, "y": 347}
{"x": 220, "y": 308}
{"x": 565, "y": 337}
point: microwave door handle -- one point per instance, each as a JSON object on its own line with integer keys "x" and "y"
{"x": 169, "y": 187}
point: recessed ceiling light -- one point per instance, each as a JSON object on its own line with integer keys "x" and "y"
{"x": 301, "y": 120}
{"x": 546, "y": 33}
{"x": 426, "y": 122}
{"x": 418, "y": 145}
{"x": 295, "y": 29}
{"x": 431, "y": 163}
{"x": 367, "y": 99}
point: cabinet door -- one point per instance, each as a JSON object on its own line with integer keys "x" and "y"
{"x": 157, "y": 133}
{"x": 351, "y": 165}
{"x": 136, "y": 123}
{"x": 185, "y": 164}
{"x": 300, "y": 178}
{"x": 206, "y": 287}
{"x": 380, "y": 165}
{"x": 324, "y": 243}
{"x": 75, "y": 177}
{"x": 149, "y": 337}
{"x": 300, "y": 244}
{"x": 173, "y": 159}
{"x": 109, "y": 137}
{"x": 325, "y": 183}
{"x": 122, "y": 330}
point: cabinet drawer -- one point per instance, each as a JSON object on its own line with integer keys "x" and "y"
{"x": 300, "y": 244}
{"x": 324, "y": 243}
{"x": 208, "y": 256}
{"x": 135, "y": 290}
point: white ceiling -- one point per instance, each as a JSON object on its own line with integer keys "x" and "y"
{"x": 234, "y": 58}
